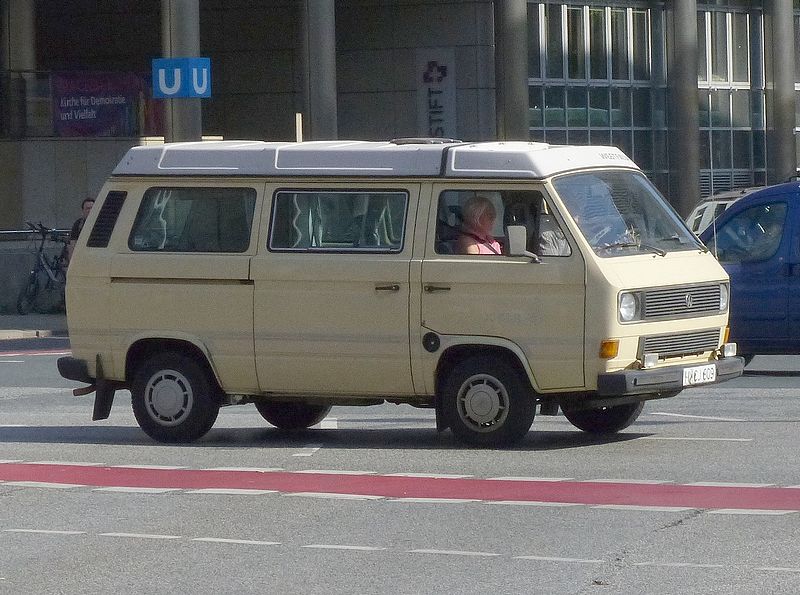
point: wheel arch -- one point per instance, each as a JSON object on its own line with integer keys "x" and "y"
{"x": 141, "y": 349}
{"x": 454, "y": 354}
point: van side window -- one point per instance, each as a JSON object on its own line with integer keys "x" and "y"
{"x": 511, "y": 207}
{"x": 345, "y": 221}
{"x": 751, "y": 236}
{"x": 194, "y": 220}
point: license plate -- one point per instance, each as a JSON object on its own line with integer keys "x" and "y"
{"x": 699, "y": 375}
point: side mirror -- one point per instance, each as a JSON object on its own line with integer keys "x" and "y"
{"x": 518, "y": 242}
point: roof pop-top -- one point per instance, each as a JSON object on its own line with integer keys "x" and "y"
{"x": 453, "y": 159}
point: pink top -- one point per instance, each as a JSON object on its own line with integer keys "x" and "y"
{"x": 487, "y": 245}
{"x": 491, "y": 246}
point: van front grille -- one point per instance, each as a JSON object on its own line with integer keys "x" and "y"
{"x": 681, "y": 343}
{"x": 680, "y": 302}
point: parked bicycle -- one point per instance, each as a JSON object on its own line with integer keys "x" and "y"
{"x": 44, "y": 290}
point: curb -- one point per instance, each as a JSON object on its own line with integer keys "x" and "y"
{"x": 30, "y": 334}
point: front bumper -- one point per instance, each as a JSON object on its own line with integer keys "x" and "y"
{"x": 661, "y": 380}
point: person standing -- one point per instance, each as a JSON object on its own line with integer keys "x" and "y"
{"x": 86, "y": 207}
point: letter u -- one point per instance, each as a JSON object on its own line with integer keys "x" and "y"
{"x": 162, "y": 82}
{"x": 198, "y": 88}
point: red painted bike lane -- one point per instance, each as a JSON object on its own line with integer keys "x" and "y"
{"x": 574, "y": 492}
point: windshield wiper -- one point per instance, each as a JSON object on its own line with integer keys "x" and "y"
{"x": 680, "y": 240}
{"x": 638, "y": 245}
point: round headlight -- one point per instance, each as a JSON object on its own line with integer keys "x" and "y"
{"x": 723, "y": 297}
{"x": 627, "y": 307}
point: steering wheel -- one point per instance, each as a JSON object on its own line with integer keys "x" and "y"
{"x": 600, "y": 234}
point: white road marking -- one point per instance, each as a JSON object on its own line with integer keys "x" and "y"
{"x": 12, "y": 361}
{"x": 678, "y": 565}
{"x": 65, "y": 463}
{"x": 358, "y": 548}
{"x": 136, "y": 490}
{"x": 532, "y": 503}
{"x": 436, "y": 500}
{"x": 140, "y": 535}
{"x": 723, "y": 484}
{"x": 330, "y": 423}
{"x": 648, "y": 508}
{"x": 335, "y": 472}
{"x": 14, "y": 426}
{"x": 428, "y": 475}
{"x": 232, "y": 491}
{"x": 157, "y": 467}
{"x": 531, "y": 478}
{"x": 308, "y": 451}
{"x": 30, "y": 353}
{"x": 253, "y": 469}
{"x": 9, "y": 461}
{"x": 689, "y": 439}
{"x": 554, "y": 559}
{"x": 43, "y": 484}
{"x": 697, "y": 416}
{"x": 634, "y": 481}
{"x": 334, "y": 495}
{"x": 752, "y": 511}
{"x": 453, "y": 553}
{"x": 239, "y": 541}
{"x": 45, "y": 531}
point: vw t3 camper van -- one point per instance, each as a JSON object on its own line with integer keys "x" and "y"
{"x": 297, "y": 276}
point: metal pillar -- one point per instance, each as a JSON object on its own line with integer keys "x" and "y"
{"x": 180, "y": 38}
{"x": 780, "y": 95}
{"x": 684, "y": 118}
{"x": 511, "y": 69}
{"x": 19, "y": 55}
{"x": 318, "y": 22}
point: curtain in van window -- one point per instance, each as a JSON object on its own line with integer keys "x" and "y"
{"x": 194, "y": 220}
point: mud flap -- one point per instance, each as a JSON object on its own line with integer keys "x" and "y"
{"x": 104, "y": 394}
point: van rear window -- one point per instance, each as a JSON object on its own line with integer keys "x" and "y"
{"x": 338, "y": 221}
{"x": 194, "y": 220}
{"x": 106, "y": 219}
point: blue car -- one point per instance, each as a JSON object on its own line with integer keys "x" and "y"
{"x": 757, "y": 241}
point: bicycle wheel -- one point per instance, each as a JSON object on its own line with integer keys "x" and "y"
{"x": 50, "y": 297}
{"x": 28, "y": 293}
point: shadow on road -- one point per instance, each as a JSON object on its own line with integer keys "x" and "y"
{"x": 400, "y": 438}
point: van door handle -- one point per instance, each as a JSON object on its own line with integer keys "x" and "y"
{"x": 432, "y": 288}
{"x": 388, "y": 287}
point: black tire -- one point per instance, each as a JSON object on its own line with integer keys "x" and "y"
{"x": 27, "y": 295}
{"x": 174, "y": 399}
{"x": 292, "y": 416}
{"x": 607, "y": 420}
{"x": 748, "y": 357}
{"x": 487, "y": 402}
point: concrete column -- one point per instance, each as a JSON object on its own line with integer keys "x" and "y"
{"x": 318, "y": 22}
{"x": 779, "y": 89}
{"x": 180, "y": 38}
{"x": 18, "y": 54}
{"x": 511, "y": 69}
{"x": 684, "y": 118}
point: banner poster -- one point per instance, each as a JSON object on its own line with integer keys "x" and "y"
{"x": 103, "y": 104}
{"x": 436, "y": 92}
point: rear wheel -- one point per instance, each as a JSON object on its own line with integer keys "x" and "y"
{"x": 174, "y": 399}
{"x": 486, "y": 402}
{"x": 27, "y": 295}
{"x": 607, "y": 420}
{"x": 292, "y": 416}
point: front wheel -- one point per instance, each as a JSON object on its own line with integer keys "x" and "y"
{"x": 27, "y": 295}
{"x": 607, "y": 420}
{"x": 486, "y": 402}
{"x": 174, "y": 399}
{"x": 292, "y": 416}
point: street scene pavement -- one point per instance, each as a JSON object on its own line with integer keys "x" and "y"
{"x": 700, "y": 495}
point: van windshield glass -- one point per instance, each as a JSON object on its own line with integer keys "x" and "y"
{"x": 621, "y": 213}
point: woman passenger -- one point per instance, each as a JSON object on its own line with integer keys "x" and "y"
{"x": 476, "y": 234}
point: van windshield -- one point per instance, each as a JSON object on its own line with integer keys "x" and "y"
{"x": 621, "y": 213}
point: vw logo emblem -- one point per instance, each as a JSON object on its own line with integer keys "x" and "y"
{"x": 689, "y": 300}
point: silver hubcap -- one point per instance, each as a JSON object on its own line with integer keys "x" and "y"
{"x": 482, "y": 403}
{"x": 168, "y": 397}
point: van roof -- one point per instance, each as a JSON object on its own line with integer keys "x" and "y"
{"x": 403, "y": 157}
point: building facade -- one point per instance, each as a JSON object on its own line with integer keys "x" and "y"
{"x": 701, "y": 95}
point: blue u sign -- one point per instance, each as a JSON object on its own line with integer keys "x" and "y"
{"x": 181, "y": 77}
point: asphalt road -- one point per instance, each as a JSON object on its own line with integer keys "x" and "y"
{"x": 696, "y": 497}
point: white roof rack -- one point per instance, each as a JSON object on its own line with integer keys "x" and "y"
{"x": 398, "y": 158}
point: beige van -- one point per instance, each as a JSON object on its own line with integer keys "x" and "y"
{"x": 480, "y": 279}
